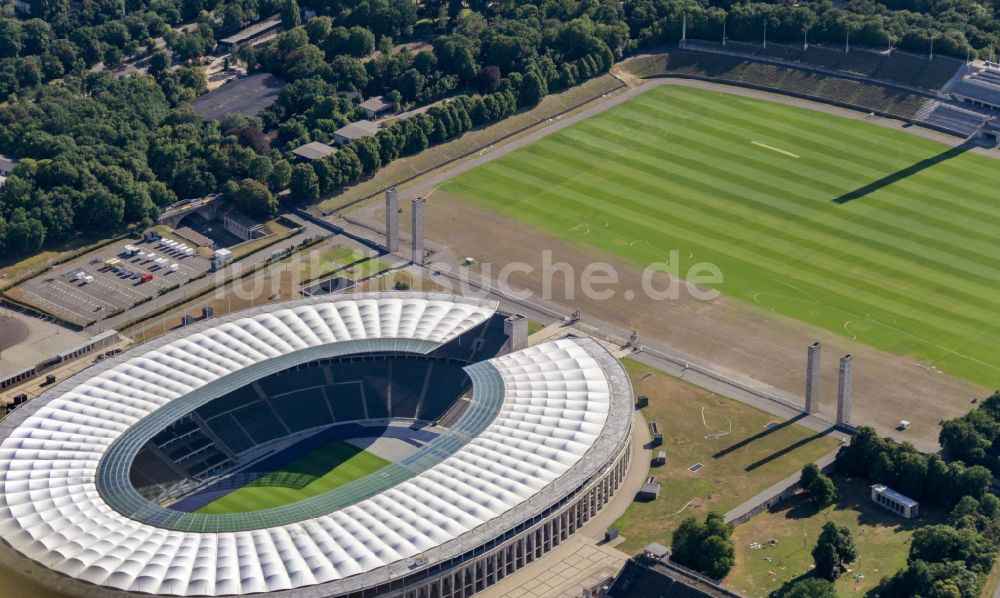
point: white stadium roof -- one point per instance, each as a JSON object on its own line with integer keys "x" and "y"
{"x": 559, "y": 401}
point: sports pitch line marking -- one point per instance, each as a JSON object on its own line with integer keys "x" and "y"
{"x": 774, "y": 149}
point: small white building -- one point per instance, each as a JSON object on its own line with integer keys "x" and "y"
{"x": 903, "y": 506}
{"x": 221, "y": 258}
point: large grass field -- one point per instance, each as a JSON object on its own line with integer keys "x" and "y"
{"x": 867, "y": 231}
{"x": 322, "y": 470}
{"x": 740, "y": 456}
{"x": 882, "y": 539}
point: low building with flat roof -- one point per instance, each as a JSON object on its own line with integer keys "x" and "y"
{"x": 253, "y": 33}
{"x": 373, "y": 107}
{"x": 199, "y": 240}
{"x": 243, "y": 226}
{"x": 314, "y": 150}
{"x": 903, "y": 506}
{"x": 355, "y": 131}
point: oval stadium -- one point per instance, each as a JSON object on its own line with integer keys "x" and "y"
{"x": 398, "y": 444}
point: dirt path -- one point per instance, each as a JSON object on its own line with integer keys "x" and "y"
{"x": 728, "y": 335}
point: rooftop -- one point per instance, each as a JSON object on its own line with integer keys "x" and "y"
{"x": 357, "y": 130}
{"x": 563, "y": 408}
{"x": 252, "y": 31}
{"x": 377, "y": 104}
{"x": 189, "y": 234}
{"x": 314, "y": 150}
{"x": 888, "y": 492}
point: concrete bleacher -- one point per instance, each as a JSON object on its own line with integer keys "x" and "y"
{"x": 896, "y": 67}
{"x": 959, "y": 121}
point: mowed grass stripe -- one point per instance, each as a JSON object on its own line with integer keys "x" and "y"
{"x": 974, "y": 266}
{"x": 801, "y": 292}
{"x": 816, "y": 172}
{"x": 827, "y": 259}
{"x": 675, "y": 168}
{"x": 691, "y": 162}
{"x": 757, "y": 256}
{"x": 975, "y": 181}
{"x": 320, "y": 471}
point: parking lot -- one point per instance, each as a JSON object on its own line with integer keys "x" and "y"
{"x": 112, "y": 279}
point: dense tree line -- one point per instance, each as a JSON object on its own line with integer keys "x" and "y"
{"x": 926, "y": 478}
{"x": 102, "y": 154}
{"x": 975, "y": 437}
{"x": 948, "y": 560}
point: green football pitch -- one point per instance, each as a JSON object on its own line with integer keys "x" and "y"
{"x": 867, "y": 231}
{"x": 322, "y": 470}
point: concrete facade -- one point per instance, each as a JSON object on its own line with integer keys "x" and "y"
{"x": 500, "y": 558}
{"x": 418, "y": 231}
{"x": 812, "y": 377}
{"x": 844, "y": 391}
{"x": 516, "y": 329}
{"x": 392, "y": 220}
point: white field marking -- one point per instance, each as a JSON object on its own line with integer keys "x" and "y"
{"x": 774, "y": 149}
{"x": 714, "y": 435}
{"x": 686, "y": 505}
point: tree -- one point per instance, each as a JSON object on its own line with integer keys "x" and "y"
{"x": 305, "y": 183}
{"x": 488, "y": 79}
{"x": 25, "y": 235}
{"x": 809, "y": 474}
{"x": 705, "y": 547}
{"x": 253, "y": 199}
{"x": 360, "y": 41}
{"x": 291, "y": 16}
{"x": 159, "y": 62}
{"x": 834, "y": 549}
{"x": 533, "y": 89}
{"x": 940, "y": 543}
{"x": 811, "y": 588}
{"x": 822, "y": 491}
{"x": 281, "y": 175}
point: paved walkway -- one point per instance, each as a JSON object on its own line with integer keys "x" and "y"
{"x": 774, "y": 490}
{"x": 584, "y": 560}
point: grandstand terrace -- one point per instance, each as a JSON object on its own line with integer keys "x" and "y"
{"x": 897, "y": 68}
{"x": 536, "y": 452}
{"x": 734, "y": 69}
{"x": 951, "y": 119}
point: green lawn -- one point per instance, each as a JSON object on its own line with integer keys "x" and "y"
{"x": 320, "y": 471}
{"x": 882, "y": 539}
{"x": 866, "y": 231}
{"x": 740, "y": 457}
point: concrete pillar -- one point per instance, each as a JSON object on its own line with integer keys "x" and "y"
{"x": 812, "y": 377}
{"x": 844, "y": 390}
{"x": 418, "y": 231}
{"x": 516, "y": 329}
{"x": 391, "y": 220}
